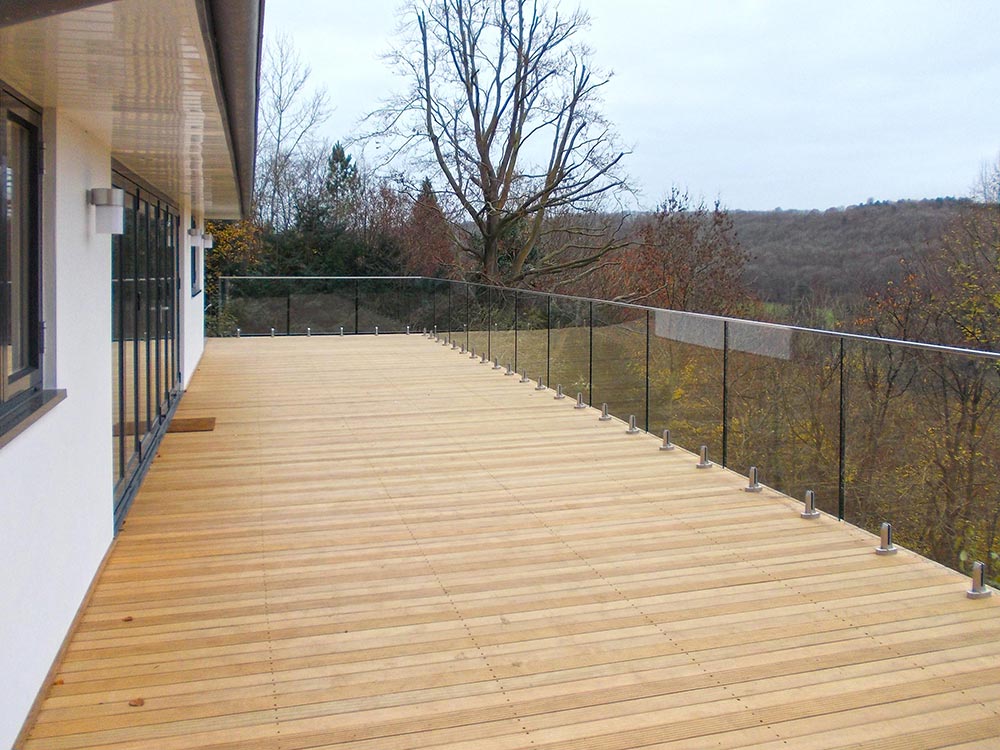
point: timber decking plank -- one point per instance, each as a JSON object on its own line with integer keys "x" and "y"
{"x": 383, "y": 545}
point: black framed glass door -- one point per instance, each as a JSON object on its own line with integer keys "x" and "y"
{"x": 145, "y": 376}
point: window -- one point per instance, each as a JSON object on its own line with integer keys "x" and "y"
{"x": 20, "y": 252}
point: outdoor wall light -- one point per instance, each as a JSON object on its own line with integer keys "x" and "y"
{"x": 109, "y": 208}
{"x": 207, "y": 241}
{"x": 194, "y": 236}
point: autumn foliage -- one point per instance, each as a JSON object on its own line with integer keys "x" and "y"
{"x": 429, "y": 245}
{"x": 682, "y": 256}
{"x": 237, "y": 251}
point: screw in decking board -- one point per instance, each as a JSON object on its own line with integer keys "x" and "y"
{"x": 979, "y": 589}
{"x": 632, "y": 429}
{"x": 524, "y": 377}
{"x": 579, "y": 401}
{"x": 540, "y": 386}
{"x": 886, "y": 547}
{"x": 510, "y": 370}
{"x": 605, "y": 417}
{"x": 703, "y": 462}
{"x": 559, "y": 393}
{"x": 666, "y": 445}
{"x": 810, "y": 509}
{"x": 496, "y": 363}
{"x": 753, "y": 485}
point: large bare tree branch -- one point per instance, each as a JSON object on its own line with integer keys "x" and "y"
{"x": 508, "y": 106}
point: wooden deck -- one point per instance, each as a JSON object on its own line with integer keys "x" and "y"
{"x": 384, "y": 544}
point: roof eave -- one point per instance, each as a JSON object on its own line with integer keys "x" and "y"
{"x": 236, "y": 33}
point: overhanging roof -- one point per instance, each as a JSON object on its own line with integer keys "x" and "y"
{"x": 171, "y": 85}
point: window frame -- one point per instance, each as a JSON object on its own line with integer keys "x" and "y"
{"x": 18, "y": 389}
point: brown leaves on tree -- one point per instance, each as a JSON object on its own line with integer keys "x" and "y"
{"x": 685, "y": 256}
{"x": 429, "y": 248}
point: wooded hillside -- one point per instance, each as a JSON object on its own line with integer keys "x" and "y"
{"x": 839, "y": 252}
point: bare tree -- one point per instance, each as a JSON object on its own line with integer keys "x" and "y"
{"x": 291, "y": 158}
{"x": 504, "y": 100}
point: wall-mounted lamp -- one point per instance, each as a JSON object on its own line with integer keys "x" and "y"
{"x": 109, "y": 208}
{"x": 207, "y": 241}
{"x": 194, "y": 236}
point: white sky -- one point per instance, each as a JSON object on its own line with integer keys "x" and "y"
{"x": 762, "y": 103}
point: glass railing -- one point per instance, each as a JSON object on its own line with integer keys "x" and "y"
{"x": 881, "y": 430}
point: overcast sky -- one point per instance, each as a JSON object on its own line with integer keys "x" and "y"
{"x": 761, "y": 103}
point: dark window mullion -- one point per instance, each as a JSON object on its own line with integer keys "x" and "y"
{"x": 147, "y": 328}
{"x": 118, "y": 339}
{"x": 136, "y": 310}
{"x": 157, "y": 235}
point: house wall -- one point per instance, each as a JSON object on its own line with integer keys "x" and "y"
{"x": 56, "y": 492}
{"x": 192, "y": 338}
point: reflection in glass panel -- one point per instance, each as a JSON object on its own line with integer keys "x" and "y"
{"x": 144, "y": 327}
{"x": 619, "y": 365}
{"x": 168, "y": 303}
{"x": 461, "y": 305}
{"x": 117, "y": 412}
{"x": 532, "y": 335}
{"x": 923, "y": 450}
{"x": 569, "y": 346}
{"x": 685, "y": 379}
{"x": 381, "y": 304}
{"x": 784, "y": 401}
{"x": 143, "y": 367}
{"x": 478, "y": 316}
{"x": 502, "y": 332}
{"x": 20, "y": 251}
{"x": 423, "y": 306}
{"x": 129, "y": 351}
{"x": 156, "y": 281}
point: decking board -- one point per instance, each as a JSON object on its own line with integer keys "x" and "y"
{"x": 384, "y": 544}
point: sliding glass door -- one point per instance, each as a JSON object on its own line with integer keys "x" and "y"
{"x": 145, "y": 377}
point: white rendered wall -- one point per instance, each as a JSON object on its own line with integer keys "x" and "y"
{"x": 56, "y": 492}
{"x": 192, "y": 308}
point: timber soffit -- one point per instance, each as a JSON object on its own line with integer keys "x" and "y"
{"x": 232, "y": 34}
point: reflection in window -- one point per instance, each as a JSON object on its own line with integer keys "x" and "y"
{"x": 20, "y": 253}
